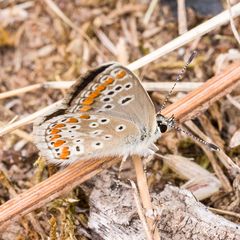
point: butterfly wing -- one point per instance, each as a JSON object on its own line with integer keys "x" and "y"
{"x": 70, "y": 137}
{"x": 110, "y": 92}
{"x": 116, "y": 91}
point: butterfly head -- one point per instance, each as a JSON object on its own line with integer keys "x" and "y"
{"x": 164, "y": 123}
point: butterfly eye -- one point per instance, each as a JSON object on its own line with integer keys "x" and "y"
{"x": 163, "y": 128}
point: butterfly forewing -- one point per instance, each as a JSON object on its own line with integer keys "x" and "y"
{"x": 115, "y": 91}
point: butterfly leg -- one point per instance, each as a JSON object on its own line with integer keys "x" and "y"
{"x": 121, "y": 165}
{"x": 153, "y": 148}
{"x": 148, "y": 157}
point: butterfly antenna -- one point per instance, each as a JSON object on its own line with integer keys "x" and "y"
{"x": 209, "y": 145}
{"x": 179, "y": 77}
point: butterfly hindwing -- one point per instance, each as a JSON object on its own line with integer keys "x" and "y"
{"x": 67, "y": 138}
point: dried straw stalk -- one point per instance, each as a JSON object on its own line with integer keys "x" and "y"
{"x": 62, "y": 182}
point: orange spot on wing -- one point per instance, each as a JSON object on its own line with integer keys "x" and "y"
{"x": 94, "y": 94}
{"x": 59, "y": 125}
{"x": 100, "y": 88}
{"x": 86, "y": 116}
{"x": 121, "y": 74}
{"x": 65, "y": 153}
{"x": 97, "y": 92}
{"x": 55, "y": 131}
{"x": 58, "y": 143}
{"x": 55, "y": 137}
{"x": 85, "y": 108}
{"x": 109, "y": 81}
{"x": 88, "y": 101}
{"x": 72, "y": 120}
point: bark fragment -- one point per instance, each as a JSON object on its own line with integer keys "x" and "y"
{"x": 113, "y": 215}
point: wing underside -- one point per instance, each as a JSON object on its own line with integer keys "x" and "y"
{"x": 69, "y": 138}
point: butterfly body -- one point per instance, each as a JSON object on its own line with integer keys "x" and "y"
{"x": 106, "y": 113}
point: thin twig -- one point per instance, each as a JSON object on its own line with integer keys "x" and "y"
{"x": 141, "y": 212}
{"x": 51, "y": 188}
{"x": 187, "y": 37}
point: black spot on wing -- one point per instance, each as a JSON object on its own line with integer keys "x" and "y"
{"x": 125, "y": 100}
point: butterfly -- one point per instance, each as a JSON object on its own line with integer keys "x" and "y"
{"x": 107, "y": 112}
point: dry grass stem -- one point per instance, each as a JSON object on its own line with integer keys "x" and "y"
{"x": 224, "y": 212}
{"x": 19, "y": 91}
{"x": 8, "y": 185}
{"x": 233, "y": 27}
{"x": 217, "y": 169}
{"x": 233, "y": 101}
{"x": 149, "y": 12}
{"x": 26, "y": 120}
{"x": 144, "y": 191}
{"x": 21, "y": 134}
{"x": 140, "y": 211}
{"x": 106, "y": 42}
{"x": 201, "y": 182}
{"x": 166, "y": 86}
{"x": 182, "y": 17}
{"x": 51, "y": 188}
{"x": 211, "y": 91}
{"x": 65, "y": 19}
{"x": 149, "y": 86}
